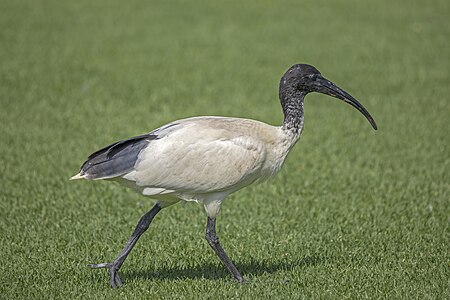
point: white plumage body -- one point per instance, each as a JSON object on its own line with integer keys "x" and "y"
{"x": 204, "y": 159}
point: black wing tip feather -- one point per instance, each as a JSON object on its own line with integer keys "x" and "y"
{"x": 108, "y": 149}
{"x": 119, "y": 146}
{"x": 115, "y": 159}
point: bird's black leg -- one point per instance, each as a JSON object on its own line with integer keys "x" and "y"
{"x": 114, "y": 266}
{"x": 213, "y": 241}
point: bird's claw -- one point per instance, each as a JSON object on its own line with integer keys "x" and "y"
{"x": 114, "y": 278}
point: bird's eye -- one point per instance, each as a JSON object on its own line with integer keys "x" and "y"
{"x": 311, "y": 77}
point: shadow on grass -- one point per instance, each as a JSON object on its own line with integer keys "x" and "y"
{"x": 215, "y": 271}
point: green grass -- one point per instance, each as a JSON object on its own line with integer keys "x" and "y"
{"x": 353, "y": 214}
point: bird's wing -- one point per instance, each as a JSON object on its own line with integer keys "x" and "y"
{"x": 120, "y": 157}
{"x": 200, "y": 157}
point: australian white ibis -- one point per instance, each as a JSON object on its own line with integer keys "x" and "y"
{"x": 204, "y": 159}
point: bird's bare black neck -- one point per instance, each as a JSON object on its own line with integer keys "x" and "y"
{"x": 292, "y": 103}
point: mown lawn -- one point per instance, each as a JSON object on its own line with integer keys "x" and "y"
{"x": 354, "y": 213}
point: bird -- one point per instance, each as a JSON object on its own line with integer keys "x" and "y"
{"x": 206, "y": 158}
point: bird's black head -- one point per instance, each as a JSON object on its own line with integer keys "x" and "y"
{"x": 301, "y": 79}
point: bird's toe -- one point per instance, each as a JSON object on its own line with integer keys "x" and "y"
{"x": 114, "y": 278}
{"x": 240, "y": 279}
{"x": 98, "y": 266}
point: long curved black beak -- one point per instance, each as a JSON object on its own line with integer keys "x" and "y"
{"x": 324, "y": 86}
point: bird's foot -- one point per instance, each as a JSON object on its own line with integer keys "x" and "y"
{"x": 113, "y": 270}
{"x": 240, "y": 279}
